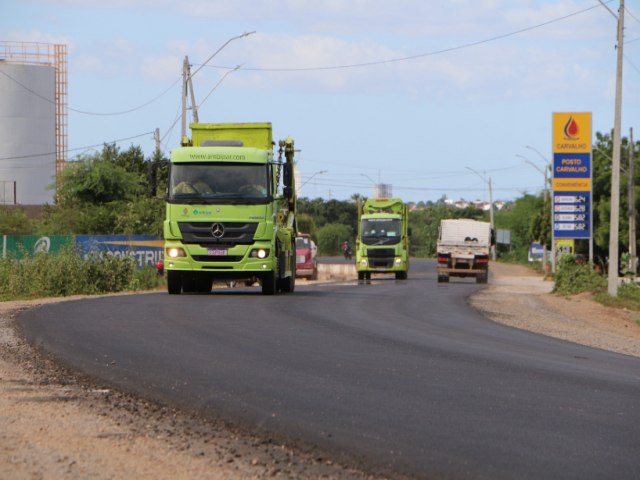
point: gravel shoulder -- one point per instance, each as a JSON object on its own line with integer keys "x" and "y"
{"x": 55, "y": 426}
{"x": 519, "y": 297}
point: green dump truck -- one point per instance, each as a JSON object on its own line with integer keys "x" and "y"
{"x": 230, "y": 213}
{"x": 382, "y": 245}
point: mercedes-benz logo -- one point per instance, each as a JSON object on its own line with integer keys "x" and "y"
{"x": 217, "y": 230}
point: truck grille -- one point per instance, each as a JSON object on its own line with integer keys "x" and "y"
{"x": 217, "y": 233}
{"x": 217, "y": 258}
{"x": 381, "y": 257}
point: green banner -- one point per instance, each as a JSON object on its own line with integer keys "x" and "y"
{"x": 20, "y": 246}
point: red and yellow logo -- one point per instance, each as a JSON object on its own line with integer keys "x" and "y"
{"x": 572, "y": 132}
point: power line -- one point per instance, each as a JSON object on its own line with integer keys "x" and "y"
{"x": 420, "y": 55}
{"x": 79, "y": 148}
{"x": 92, "y": 113}
{"x": 630, "y": 13}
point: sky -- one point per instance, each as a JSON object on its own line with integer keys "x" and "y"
{"x": 435, "y": 98}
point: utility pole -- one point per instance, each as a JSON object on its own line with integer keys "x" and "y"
{"x": 185, "y": 76}
{"x": 493, "y": 248}
{"x": 633, "y": 258}
{"x": 187, "y": 84}
{"x": 157, "y": 139}
{"x": 614, "y": 232}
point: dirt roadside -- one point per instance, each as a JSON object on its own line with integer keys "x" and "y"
{"x": 53, "y": 426}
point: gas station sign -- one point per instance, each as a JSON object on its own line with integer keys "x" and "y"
{"x": 572, "y": 175}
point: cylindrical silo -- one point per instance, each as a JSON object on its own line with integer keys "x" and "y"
{"x": 28, "y": 131}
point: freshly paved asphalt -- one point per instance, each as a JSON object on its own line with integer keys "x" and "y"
{"x": 401, "y": 377}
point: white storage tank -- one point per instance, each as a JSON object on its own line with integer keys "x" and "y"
{"x": 28, "y": 131}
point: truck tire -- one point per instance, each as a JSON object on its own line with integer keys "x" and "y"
{"x": 174, "y": 282}
{"x": 443, "y": 278}
{"x": 401, "y": 275}
{"x": 482, "y": 277}
{"x": 204, "y": 284}
{"x": 269, "y": 283}
{"x": 188, "y": 283}
{"x": 287, "y": 285}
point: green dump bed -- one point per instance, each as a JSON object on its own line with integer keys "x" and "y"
{"x": 256, "y": 135}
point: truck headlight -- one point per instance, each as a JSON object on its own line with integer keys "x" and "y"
{"x": 175, "y": 252}
{"x": 363, "y": 262}
{"x": 398, "y": 261}
{"x": 259, "y": 253}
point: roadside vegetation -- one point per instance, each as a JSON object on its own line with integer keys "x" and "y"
{"x": 65, "y": 273}
{"x": 573, "y": 277}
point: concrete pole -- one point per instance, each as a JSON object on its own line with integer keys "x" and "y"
{"x": 614, "y": 226}
{"x": 183, "y": 130}
{"x": 493, "y": 247}
{"x": 633, "y": 258}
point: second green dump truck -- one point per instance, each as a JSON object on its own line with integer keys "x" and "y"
{"x": 382, "y": 245}
{"x": 230, "y": 210}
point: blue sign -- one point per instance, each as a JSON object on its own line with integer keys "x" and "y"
{"x": 572, "y": 165}
{"x": 145, "y": 249}
{"x": 536, "y": 252}
{"x": 572, "y": 214}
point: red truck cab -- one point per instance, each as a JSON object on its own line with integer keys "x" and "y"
{"x": 306, "y": 262}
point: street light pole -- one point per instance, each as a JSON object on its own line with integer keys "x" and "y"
{"x": 493, "y": 249}
{"x": 550, "y": 178}
{"x": 187, "y": 83}
{"x": 543, "y": 172}
{"x": 311, "y": 177}
{"x": 375, "y": 185}
{"x": 547, "y": 193}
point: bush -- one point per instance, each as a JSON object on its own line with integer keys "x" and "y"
{"x": 66, "y": 273}
{"x": 572, "y": 277}
{"x": 330, "y": 238}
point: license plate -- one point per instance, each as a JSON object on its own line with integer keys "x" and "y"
{"x": 217, "y": 252}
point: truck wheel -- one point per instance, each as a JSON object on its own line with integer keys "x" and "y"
{"x": 443, "y": 279}
{"x": 174, "y": 282}
{"x": 188, "y": 283}
{"x": 287, "y": 285}
{"x": 269, "y": 283}
{"x": 204, "y": 284}
{"x": 401, "y": 275}
{"x": 482, "y": 277}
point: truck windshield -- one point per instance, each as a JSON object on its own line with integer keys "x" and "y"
{"x": 218, "y": 183}
{"x": 380, "y": 231}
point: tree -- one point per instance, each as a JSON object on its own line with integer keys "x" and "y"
{"x": 14, "y": 221}
{"x": 331, "y": 211}
{"x": 108, "y": 193}
{"x": 306, "y": 224}
{"x": 93, "y": 180}
{"x": 331, "y": 236}
{"x": 158, "y": 174}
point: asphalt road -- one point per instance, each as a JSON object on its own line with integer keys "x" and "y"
{"x": 401, "y": 377}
